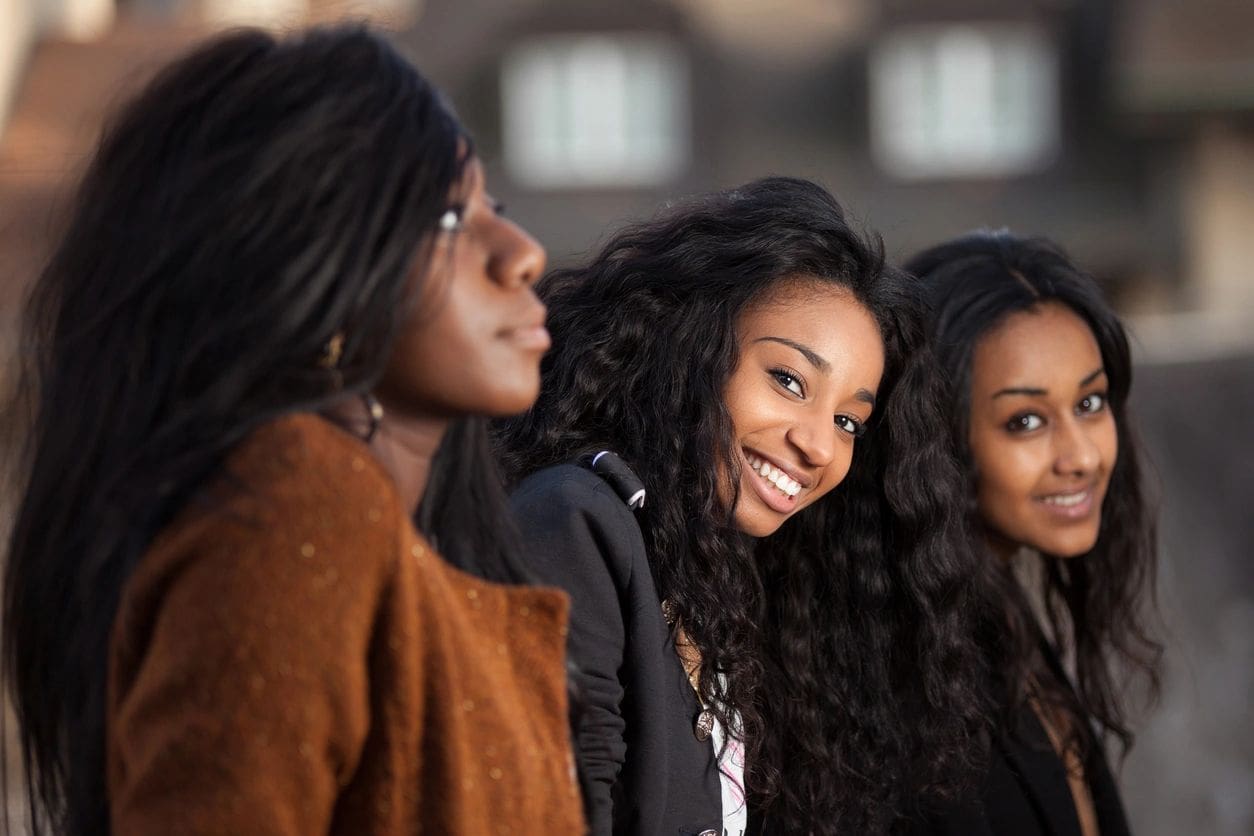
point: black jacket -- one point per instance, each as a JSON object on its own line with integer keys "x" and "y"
{"x": 649, "y": 774}
{"x": 1025, "y": 792}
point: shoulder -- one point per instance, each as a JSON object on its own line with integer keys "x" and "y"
{"x": 303, "y": 464}
{"x": 568, "y": 489}
{"x": 297, "y": 495}
{"x": 304, "y": 457}
{"x": 571, "y": 521}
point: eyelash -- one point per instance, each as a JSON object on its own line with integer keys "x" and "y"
{"x": 1019, "y": 423}
{"x": 454, "y": 217}
{"x": 1100, "y": 397}
{"x": 859, "y": 428}
{"x": 784, "y": 377}
{"x": 1016, "y": 423}
{"x": 781, "y": 375}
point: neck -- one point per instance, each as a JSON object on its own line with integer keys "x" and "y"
{"x": 406, "y": 446}
{"x": 403, "y": 444}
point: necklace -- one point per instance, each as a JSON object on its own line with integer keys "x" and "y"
{"x": 690, "y": 658}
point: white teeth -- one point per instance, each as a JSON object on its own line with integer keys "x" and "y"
{"x": 786, "y": 484}
{"x": 1067, "y": 500}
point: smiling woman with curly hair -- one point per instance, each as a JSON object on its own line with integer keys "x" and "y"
{"x": 1037, "y": 372}
{"x": 787, "y": 613}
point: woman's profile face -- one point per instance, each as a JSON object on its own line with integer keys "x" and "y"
{"x": 810, "y": 362}
{"x": 1042, "y": 433}
{"x": 473, "y": 341}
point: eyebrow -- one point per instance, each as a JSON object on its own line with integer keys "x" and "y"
{"x": 818, "y": 362}
{"x": 807, "y": 352}
{"x": 1035, "y": 392}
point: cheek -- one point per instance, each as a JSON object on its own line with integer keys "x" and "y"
{"x": 742, "y": 406}
{"x": 412, "y": 375}
{"x": 1108, "y": 444}
{"x": 833, "y": 474}
{"x": 435, "y": 356}
{"x": 1006, "y": 475}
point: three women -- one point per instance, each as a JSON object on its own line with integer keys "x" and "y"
{"x": 285, "y": 293}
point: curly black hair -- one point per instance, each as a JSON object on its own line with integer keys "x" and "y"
{"x": 1096, "y": 604}
{"x": 843, "y": 639}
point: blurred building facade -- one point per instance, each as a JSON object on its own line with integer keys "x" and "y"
{"x": 1125, "y": 129}
{"x": 1122, "y": 128}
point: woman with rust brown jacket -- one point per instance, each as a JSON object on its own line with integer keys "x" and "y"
{"x": 256, "y": 356}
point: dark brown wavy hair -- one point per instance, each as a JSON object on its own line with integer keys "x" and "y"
{"x": 1096, "y": 605}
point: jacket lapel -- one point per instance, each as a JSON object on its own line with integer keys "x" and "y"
{"x": 1041, "y": 773}
{"x": 1111, "y": 817}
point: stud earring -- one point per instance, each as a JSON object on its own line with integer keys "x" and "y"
{"x": 375, "y": 410}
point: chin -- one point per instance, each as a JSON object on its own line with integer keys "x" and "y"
{"x": 757, "y": 526}
{"x": 512, "y": 403}
{"x": 1066, "y": 548}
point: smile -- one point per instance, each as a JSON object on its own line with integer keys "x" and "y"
{"x": 1072, "y": 505}
{"x": 779, "y": 482}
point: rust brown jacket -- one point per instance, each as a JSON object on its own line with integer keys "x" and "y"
{"x": 290, "y": 657}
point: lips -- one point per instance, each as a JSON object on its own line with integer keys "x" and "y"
{"x": 530, "y": 335}
{"x": 777, "y": 486}
{"x": 1070, "y": 505}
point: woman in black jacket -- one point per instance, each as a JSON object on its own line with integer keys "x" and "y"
{"x": 787, "y": 615}
{"x": 1038, "y": 371}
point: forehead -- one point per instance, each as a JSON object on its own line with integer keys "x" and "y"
{"x": 801, "y": 305}
{"x": 788, "y": 296}
{"x": 824, "y": 317}
{"x": 1047, "y": 346}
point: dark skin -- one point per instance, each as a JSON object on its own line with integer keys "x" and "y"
{"x": 472, "y": 341}
{"x": 811, "y": 359}
{"x": 1042, "y": 434}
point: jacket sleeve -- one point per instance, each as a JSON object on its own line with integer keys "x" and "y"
{"x": 579, "y": 536}
{"x": 239, "y": 692}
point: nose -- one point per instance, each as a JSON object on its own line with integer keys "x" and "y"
{"x": 814, "y": 436}
{"x": 518, "y": 259}
{"x": 1075, "y": 453}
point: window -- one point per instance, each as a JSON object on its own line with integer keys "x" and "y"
{"x": 277, "y": 13}
{"x": 595, "y": 110}
{"x": 964, "y": 101}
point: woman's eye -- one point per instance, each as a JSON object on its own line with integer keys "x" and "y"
{"x": 1091, "y": 404}
{"x": 498, "y": 208}
{"x": 451, "y": 220}
{"x": 1025, "y": 423}
{"x": 788, "y": 381}
{"x": 851, "y": 425}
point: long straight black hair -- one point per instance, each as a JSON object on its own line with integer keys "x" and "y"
{"x": 259, "y": 197}
{"x": 843, "y": 639}
{"x": 1096, "y": 604}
